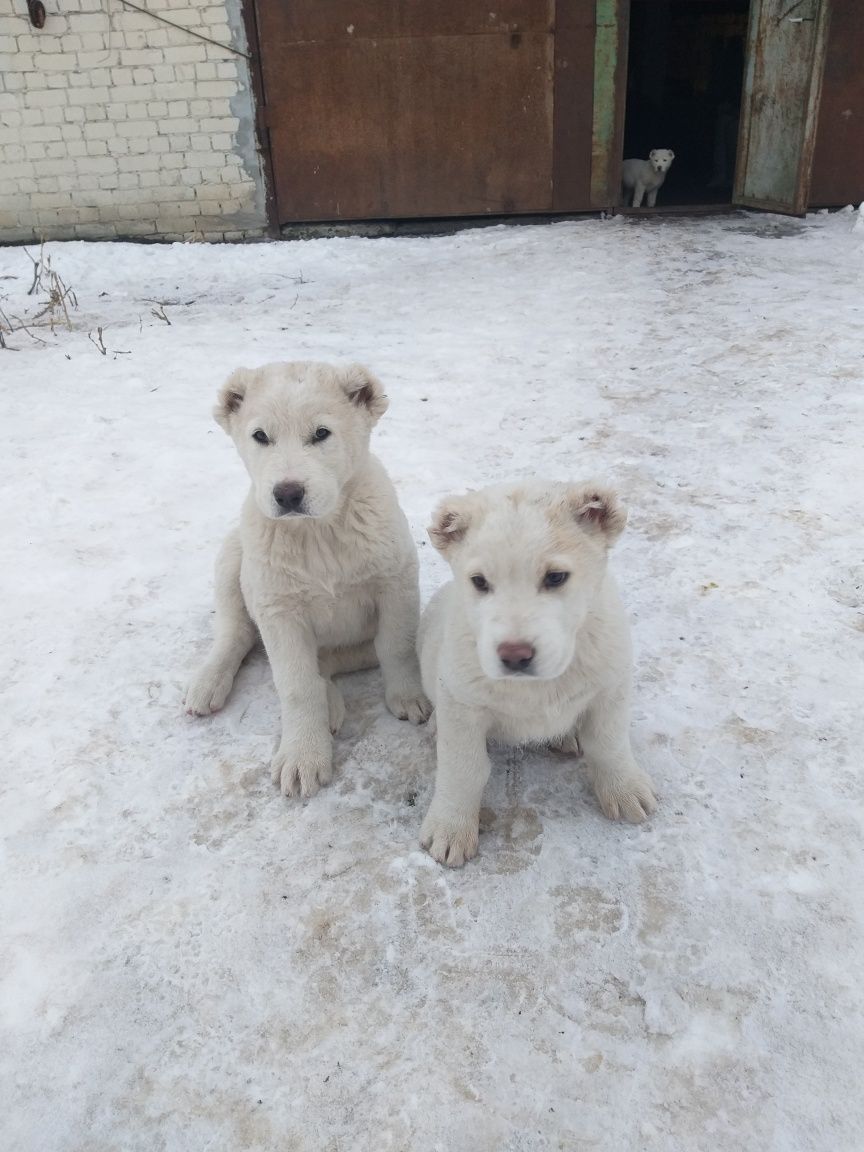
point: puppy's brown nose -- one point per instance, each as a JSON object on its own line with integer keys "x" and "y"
{"x": 516, "y": 655}
{"x": 289, "y": 495}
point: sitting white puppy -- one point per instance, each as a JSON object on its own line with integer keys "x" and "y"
{"x": 323, "y": 564}
{"x": 646, "y": 176}
{"x": 528, "y": 644}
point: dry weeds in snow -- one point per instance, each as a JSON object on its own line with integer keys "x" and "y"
{"x": 55, "y": 300}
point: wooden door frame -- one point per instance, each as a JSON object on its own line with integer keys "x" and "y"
{"x": 611, "y": 48}
{"x": 262, "y": 131}
{"x": 573, "y": 104}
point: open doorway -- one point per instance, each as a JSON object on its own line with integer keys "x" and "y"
{"x": 684, "y": 78}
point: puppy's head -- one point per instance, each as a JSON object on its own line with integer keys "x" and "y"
{"x": 302, "y": 429}
{"x": 528, "y": 562}
{"x": 661, "y": 159}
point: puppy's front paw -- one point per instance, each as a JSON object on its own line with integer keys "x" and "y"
{"x": 304, "y": 774}
{"x": 626, "y": 797}
{"x": 450, "y": 840}
{"x": 207, "y": 692}
{"x": 411, "y": 706}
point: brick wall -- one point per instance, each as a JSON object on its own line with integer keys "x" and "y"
{"x": 115, "y": 124}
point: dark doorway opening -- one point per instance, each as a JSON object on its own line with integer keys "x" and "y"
{"x": 684, "y": 76}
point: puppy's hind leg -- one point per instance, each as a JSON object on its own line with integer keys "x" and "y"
{"x": 234, "y": 635}
{"x": 638, "y": 193}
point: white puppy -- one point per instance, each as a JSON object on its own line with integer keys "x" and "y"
{"x": 322, "y": 564}
{"x": 646, "y": 176}
{"x": 528, "y": 644}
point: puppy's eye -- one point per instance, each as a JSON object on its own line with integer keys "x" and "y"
{"x": 260, "y": 436}
{"x": 555, "y": 579}
{"x": 320, "y": 434}
{"x": 480, "y": 583}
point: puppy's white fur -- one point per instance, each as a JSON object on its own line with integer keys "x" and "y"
{"x": 576, "y": 689}
{"x": 641, "y": 177}
{"x": 331, "y": 586}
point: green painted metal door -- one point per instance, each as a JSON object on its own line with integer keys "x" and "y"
{"x": 783, "y": 77}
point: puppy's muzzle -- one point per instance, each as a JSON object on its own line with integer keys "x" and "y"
{"x": 289, "y": 497}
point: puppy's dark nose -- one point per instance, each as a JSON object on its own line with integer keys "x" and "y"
{"x": 289, "y": 495}
{"x": 516, "y": 655}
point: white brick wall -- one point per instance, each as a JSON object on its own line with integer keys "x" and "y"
{"x": 114, "y": 124}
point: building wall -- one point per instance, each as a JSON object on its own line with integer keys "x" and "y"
{"x": 114, "y": 124}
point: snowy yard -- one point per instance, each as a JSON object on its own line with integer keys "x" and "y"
{"x": 189, "y": 961}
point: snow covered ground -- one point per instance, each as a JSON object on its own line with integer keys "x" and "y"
{"x": 189, "y": 961}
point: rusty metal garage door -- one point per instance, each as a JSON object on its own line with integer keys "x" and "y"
{"x": 838, "y": 162}
{"x": 407, "y": 108}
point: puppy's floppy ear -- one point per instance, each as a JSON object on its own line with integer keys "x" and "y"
{"x": 652, "y": 153}
{"x": 364, "y": 390}
{"x": 597, "y": 510}
{"x": 671, "y": 154}
{"x": 231, "y": 396}
{"x": 450, "y": 521}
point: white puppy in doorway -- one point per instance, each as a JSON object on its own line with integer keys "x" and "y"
{"x": 528, "y": 644}
{"x": 323, "y": 564}
{"x": 645, "y": 177}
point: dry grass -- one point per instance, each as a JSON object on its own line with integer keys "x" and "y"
{"x": 55, "y": 299}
